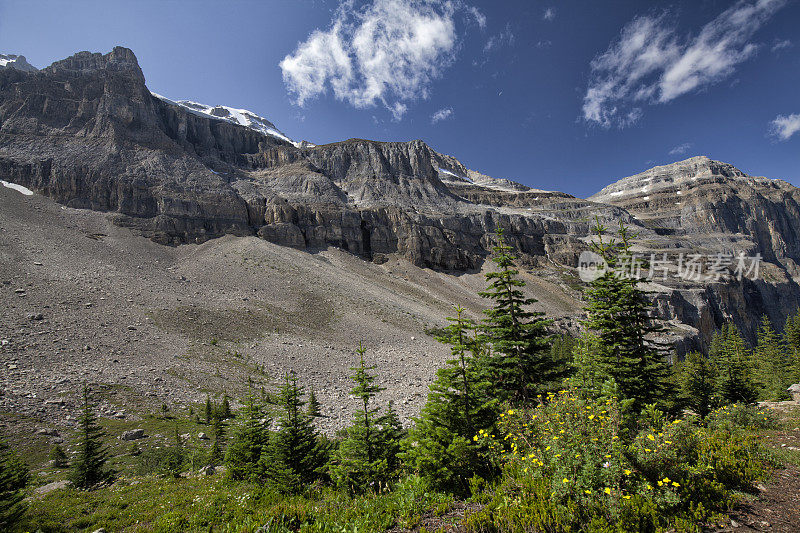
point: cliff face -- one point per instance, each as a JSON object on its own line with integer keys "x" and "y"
{"x": 87, "y": 132}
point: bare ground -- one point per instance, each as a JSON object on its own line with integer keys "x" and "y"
{"x": 85, "y": 301}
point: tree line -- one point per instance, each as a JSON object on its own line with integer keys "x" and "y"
{"x": 508, "y": 359}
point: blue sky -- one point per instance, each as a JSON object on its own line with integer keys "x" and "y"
{"x": 565, "y": 95}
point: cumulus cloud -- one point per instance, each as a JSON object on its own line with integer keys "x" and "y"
{"x": 385, "y": 52}
{"x": 442, "y": 114}
{"x": 680, "y": 149}
{"x": 652, "y": 63}
{"x": 784, "y": 126}
{"x": 549, "y": 14}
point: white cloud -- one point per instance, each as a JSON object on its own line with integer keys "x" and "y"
{"x": 779, "y": 45}
{"x": 386, "y": 52}
{"x": 549, "y": 14}
{"x": 784, "y": 126}
{"x": 651, "y": 63}
{"x": 442, "y": 114}
{"x": 680, "y": 149}
{"x": 480, "y": 18}
{"x": 504, "y": 38}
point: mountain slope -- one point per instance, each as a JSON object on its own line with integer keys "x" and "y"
{"x": 87, "y": 132}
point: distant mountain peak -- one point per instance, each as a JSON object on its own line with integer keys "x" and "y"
{"x": 242, "y": 117}
{"x": 17, "y": 62}
{"x": 689, "y": 170}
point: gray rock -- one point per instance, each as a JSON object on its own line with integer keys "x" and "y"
{"x": 133, "y": 434}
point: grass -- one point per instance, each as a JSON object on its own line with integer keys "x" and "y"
{"x": 204, "y": 504}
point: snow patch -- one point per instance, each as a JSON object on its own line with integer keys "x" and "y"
{"x": 19, "y": 188}
{"x": 617, "y": 193}
{"x": 242, "y": 117}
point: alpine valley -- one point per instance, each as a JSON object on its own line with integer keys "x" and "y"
{"x": 173, "y": 248}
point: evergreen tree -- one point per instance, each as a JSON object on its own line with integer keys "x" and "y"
{"x": 441, "y": 446}
{"x": 295, "y": 456}
{"x": 314, "y": 408}
{"x": 224, "y": 411}
{"x": 14, "y": 477}
{"x": 791, "y": 334}
{"x": 176, "y": 456}
{"x": 772, "y": 362}
{"x": 89, "y": 466}
{"x": 521, "y": 363}
{"x": 58, "y": 457}
{"x": 215, "y": 456}
{"x": 209, "y": 409}
{"x": 361, "y": 461}
{"x": 586, "y": 376}
{"x": 248, "y": 443}
{"x": 618, "y": 315}
{"x": 392, "y": 434}
{"x": 732, "y": 359}
{"x": 698, "y": 385}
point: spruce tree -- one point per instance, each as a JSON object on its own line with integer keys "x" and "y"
{"x": 14, "y": 476}
{"x": 586, "y": 378}
{"x": 791, "y": 334}
{"x": 89, "y": 465}
{"x": 442, "y": 445}
{"x": 224, "y": 411}
{"x": 360, "y": 463}
{"x": 314, "y": 408}
{"x": 392, "y": 434}
{"x": 58, "y": 457}
{"x": 295, "y": 455}
{"x": 698, "y": 383}
{"x": 521, "y": 363}
{"x": 732, "y": 359}
{"x": 618, "y": 313}
{"x": 248, "y": 443}
{"x": 176, "y": 456}
{"x": 209, "y": 409}
{"x": 772, "y": 362}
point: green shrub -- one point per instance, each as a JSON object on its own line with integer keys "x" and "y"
{"x": 569, "y": 465}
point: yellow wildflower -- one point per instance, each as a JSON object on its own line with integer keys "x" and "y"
{"x": 607, "y": 490}
{"x": 651, "y": 437}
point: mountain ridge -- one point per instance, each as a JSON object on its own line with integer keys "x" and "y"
{"x": 87, "y": 132}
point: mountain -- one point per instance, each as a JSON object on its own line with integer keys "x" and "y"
{"x": 17, "y": 62}
{"x": 88, "y": 133}
{"x": 242, "y": 117}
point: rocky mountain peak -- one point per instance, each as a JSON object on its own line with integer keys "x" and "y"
{"x": 16, "y": 62}
{"x": 120, "y": 59}
{"x": 686, "y": 172}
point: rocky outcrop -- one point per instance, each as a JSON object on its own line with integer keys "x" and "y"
{"x": 87, "y": 132}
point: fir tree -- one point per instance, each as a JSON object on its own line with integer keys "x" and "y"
{"x": 698, "y": 385}
{"x": 314, "y": 408}
{"x": 215, "y": 456}
{"x": 442, "y": 445}
{"x": 521, "y": 363}
{"x": 209, "y": 409}
{"x": 791, "y": 334}
{"x": 58, "y": 457}
{"x": 176, "y": 456}
{"x": 248, "y": 443}
{"x": 392, "y": 434}
{"x": 586, "y": 376}
{"x": 772, "y": 362}
{"x": 89, "y": 466}
{"x": 732, "y": 358}
{"x": 224, "y": 411}
{"x": 295, "y": 456}
{"x": 14, "y": 476}
{"x": 618, "y": 315}
{"x": 361, "y": 461}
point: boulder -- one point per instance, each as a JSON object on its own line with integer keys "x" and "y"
{"x": 133, "y": 434}
{"x": 794, "y": 392}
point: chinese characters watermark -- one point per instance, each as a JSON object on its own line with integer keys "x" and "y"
{"x": 663, "y": 266}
